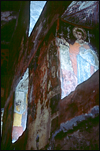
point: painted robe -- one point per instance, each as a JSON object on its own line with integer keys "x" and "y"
{"x": 78, "y": 63}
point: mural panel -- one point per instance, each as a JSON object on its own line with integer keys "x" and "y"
{"x": 20, "y": 107}
{"x": 20, "y": 102}
{"x": 78, "y": 61}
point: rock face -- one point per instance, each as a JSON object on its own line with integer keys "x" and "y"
{"x": 69, "y": 125}
{"x": 78, "y": 118}
{"x": 46, "y": 110}
{"x": 76, "y": 133}
{"x": 85, "y": 96}
{"x": 43, "y": 99}
{"x": 14, "y": 39}
{"x": 85, "y": 138}
{"x": 82, "y": 8}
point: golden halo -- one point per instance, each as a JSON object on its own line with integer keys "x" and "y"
{"x": 82, "y": 30}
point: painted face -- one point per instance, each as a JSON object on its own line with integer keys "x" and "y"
{"x": 79, "y": 35}
{"x": 18, "y": 103}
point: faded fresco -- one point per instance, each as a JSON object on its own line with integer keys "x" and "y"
{"x": 20, "y": 102}
{"x": 20, "y": 115}
{"x": 20, "y": 107}
{"x": 78, "y": 62}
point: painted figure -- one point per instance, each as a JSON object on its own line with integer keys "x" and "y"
{"x": 81, "y": 62}
{"x": 69, "y": 82}
{"x": 83, "y": 58}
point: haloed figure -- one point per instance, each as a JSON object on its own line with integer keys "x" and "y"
{"x": 18, "y": 105}
{"x": 83, "y": 58}
{"x": 83, "y": 63}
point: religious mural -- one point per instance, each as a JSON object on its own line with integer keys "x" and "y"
{"x": 20, "y": 103}
{"x": 20, "y": 107}
{"x": 20, "y": 114}
{"x": 78, "y": 61}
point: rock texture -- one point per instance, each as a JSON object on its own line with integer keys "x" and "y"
{"x": 78, "y": 119}
{"x": 77, "y": 133}
{"x": 77, "y": 9}
{"x": 85, "y": 96}
{"x": 46, "y": 111}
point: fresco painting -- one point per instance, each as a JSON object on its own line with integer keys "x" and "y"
{"x": 78, "y": 62}
{"x": 20, "y": 115}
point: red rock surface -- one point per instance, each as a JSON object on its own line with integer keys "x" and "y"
{"x": 85, "y": 96}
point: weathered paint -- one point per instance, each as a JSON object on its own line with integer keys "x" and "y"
{"x": 42, "y": 57}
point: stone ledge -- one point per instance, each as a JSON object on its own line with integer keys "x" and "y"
{"x": 80, "y": 101}
{"x": 74, "y": 122}
{"x": 73, "y": 125}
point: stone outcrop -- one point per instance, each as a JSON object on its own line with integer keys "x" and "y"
{"x": 80, "y": 101}
{"x": 78, "y": 118}
{"x": 47, "y": 112}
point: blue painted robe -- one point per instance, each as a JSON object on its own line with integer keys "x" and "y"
{"x": 85, "y": 59}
